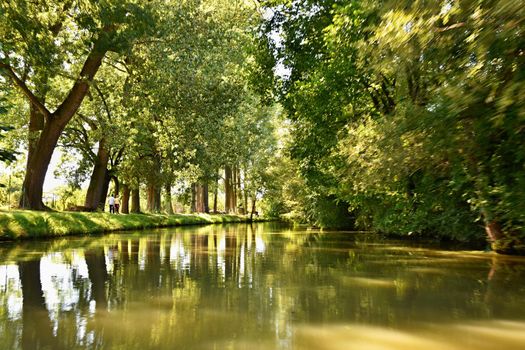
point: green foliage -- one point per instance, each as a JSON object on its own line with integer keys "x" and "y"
{"x": 65, "y": 197}
{"x": 171, "y": 100}
{"x": 404, "y": 117}
{"x": 409, "y": 111}
{"x": 6, "y": 155}
{"x": 187, "y": 95}
{"x": 329, "y": 212}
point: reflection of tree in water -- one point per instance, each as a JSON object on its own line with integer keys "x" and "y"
{"x": 37, "y": 328}
{"x": 98, "y": 276}
{"x": 501, "y": 278}
{"x": 96, "y": 264}
{"x": 180, "y": 288}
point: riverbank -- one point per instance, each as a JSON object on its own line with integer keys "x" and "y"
{"x": 24, "y": 224}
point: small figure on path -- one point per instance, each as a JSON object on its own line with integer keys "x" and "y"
{"x": 117, "y": 204}
{"x": 111, "y": 204}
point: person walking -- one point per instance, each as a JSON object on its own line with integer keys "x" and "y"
{"x": 117, "y": 204}
{"x": 111, "y": 204}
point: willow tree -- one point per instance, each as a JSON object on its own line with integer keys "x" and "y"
{"x": 52, "y": 44}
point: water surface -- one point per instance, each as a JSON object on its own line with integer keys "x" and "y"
{"x": 256, "y": 287}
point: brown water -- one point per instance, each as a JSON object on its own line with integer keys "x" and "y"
{"x": 260, "y": 287}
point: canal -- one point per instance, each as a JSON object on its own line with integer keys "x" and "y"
{"x": 265, "y": 286}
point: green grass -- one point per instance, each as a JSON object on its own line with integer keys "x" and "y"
{"x": 23, "y": 224}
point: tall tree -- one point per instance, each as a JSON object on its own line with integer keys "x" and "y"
{"x": 44, "y": 41}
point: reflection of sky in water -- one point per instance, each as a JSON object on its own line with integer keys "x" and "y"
{"x": 109, "y": 257}
{"x": 222, "y": 245}
{"x": 241, "y": 267}
{"x": 179, "y": 257}
{"x": 260, "y": 246}
{"x": 142, "y": 254}
{"x": 221, "y": 262}
{"x": 251, "y": 290}
{"x": 10, "y": 285}
{"x": 56, "y": 276}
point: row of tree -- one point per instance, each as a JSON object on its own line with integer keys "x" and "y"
{"x": 148, "y": 94}
{"x": 406, "y": 116}
{"x": 402, "y": 116}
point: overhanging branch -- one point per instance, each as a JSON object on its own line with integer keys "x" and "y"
{"x": 25, "y": 90}
{"x": 108, "y": 112}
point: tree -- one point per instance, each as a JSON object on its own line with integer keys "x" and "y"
{"x": 318, "y": 95}
{"x": 39, "y": 49}
{"x": 98, "y": 132}
{"x": 183, "y": 89}
{"x": 407, "y": 111}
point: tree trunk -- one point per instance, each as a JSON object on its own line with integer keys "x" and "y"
{"x": 168, "y": 207}
{"x": 205, "y": 198}
{"x": 157, "y": 200}
{"x": 38, "y": 161}
{"x": 493, "y": 230}
{"x": 238, "y": 199}
{"x": 153, "y": 199}
{"x": 245, "y": 201}
{"x": 215, "y": 195}
{"x": 96, "y": 183}
{"x": 36, "y": 125}
{"x": 228, "y": 190}
{"x": 201, "y": 198}
{"x": 116, "y": 182}
{"x": 41, "y": 151}
{"x": 254, "y": 199}
{"x": 125, "y": 199}
{"x": 193, "y": 207}
{"x": 198, "y": 198}
{"x": 135, "y": 200}
{"x": 234, "y": 188}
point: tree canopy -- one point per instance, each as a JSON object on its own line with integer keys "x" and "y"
{"x": 404, "y": 117}
{"x": 408, "y": 113}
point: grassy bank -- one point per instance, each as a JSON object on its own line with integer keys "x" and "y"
{"x": 21, "y": 224}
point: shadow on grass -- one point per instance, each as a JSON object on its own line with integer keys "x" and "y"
{"x": 32, "y": 224}
{"x": 27, "y": 224}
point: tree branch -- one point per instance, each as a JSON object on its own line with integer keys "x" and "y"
{"x": 72, "y": 102}
{"x": 91, "y": 123}
{"x": 25, "y": 90}
{"x": 85, "y": 146}
{"x": 114, "y": 65}
{"x": 450, "y": 27}
{"x": 119, "y": 155}
{"x": 103, "y": 101}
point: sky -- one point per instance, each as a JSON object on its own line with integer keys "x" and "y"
{"x": 51, "y": 181}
